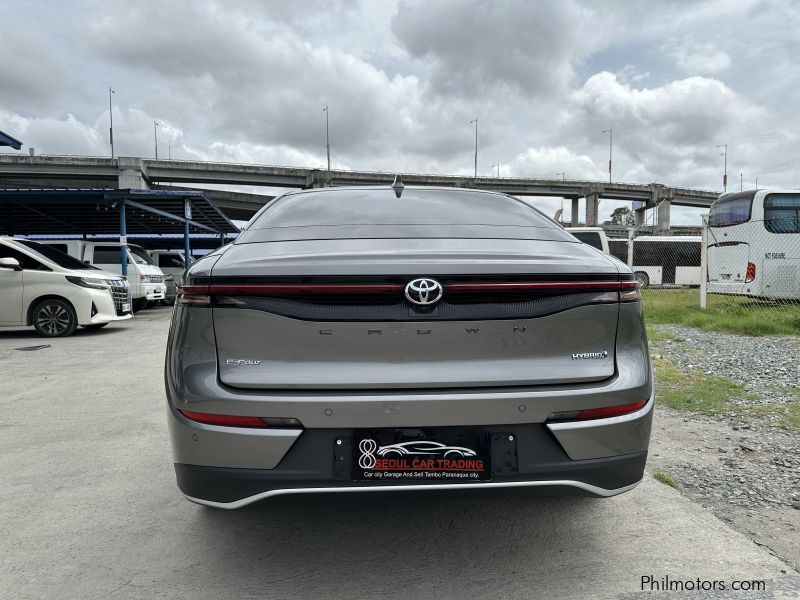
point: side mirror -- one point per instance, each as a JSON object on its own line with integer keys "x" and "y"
{"x": 10, "y": 263}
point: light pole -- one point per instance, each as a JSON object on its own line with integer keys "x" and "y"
{"x": 563, "y": 175}
{"x": 327, "y": 139}
{"x": 740, "y": 182}
{"x": 725, "y": 169}
{"x": 111, "y": 121}
{"x": 498, "y": 169}
{"x": 475, "y": 120}
{"x": 155, "y": 136}
{"x": 610, "y": 133}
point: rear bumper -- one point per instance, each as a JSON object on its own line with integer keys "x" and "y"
{"x": 187, "y": 473}
{"x": 310, "y": 466}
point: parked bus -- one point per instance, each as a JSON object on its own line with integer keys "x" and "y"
{"x": 754, "y": 244}
{"x": 661, "y": 260}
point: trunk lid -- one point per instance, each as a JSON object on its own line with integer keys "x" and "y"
{"x": 332, "y": 314}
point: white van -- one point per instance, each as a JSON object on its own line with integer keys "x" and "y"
{"x": 172, "y": 262}
{"x": 145, "y": 278}
{"x": 55, "y": 292}
{"x": 594, "y": 236}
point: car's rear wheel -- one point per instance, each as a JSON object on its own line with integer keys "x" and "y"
{"x": 642, "y": 278}
{"x": 54, "y": 318}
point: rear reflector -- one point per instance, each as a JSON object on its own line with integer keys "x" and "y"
{"x": 597, "y": 413}
{"x": 239, "y": 421}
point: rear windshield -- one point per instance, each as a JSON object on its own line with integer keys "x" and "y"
{"x": 53, "y": 255}
{"x": 730, "y": 211}
{"x": 782, "y": 213}
{"x": 414, "y": 207}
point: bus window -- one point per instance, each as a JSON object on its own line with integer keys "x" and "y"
{"x": 782, "y": 213}
{"x": 732, "y": 210}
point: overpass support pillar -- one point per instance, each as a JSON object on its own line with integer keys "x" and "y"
{"x": 592, "y": 204}
{"x": 132, "y": 174}
{"x": 575, "y": 214}
{"x": 639, "y": 214}
{"x": 663, "y": 217}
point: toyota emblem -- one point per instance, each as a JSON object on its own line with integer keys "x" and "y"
{"x": 424, "y": 291}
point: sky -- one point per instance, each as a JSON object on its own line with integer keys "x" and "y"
{"x": 246, "y": 81}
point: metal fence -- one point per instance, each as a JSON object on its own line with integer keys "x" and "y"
{"x": 748, "y": 269}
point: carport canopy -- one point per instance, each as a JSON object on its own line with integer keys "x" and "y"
{"x": 88, "y": 212}
{"x": 7, "y": 140}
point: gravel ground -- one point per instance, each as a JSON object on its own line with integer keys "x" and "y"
{"x": 763, "y": 365}
{"x": 741, "y": 465}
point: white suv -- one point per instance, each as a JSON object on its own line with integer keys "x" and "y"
{"x": 55, "y": 292}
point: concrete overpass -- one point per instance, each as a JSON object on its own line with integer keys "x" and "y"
{"x": 132, "y": 172}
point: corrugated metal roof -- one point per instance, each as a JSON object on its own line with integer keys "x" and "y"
{"x": 7, "y": 140}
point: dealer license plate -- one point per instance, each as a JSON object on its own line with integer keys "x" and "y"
{"x": 413, "y": 454}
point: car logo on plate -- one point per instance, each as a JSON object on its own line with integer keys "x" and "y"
{"x": 424, "y": 291}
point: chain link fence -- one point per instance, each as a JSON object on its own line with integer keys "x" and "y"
{"x": 743, "y": 278}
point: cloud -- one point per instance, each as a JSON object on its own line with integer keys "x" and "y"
{"x": 31, "y": 73}
{"x": 474, "y": 46}
{"x": 550, "y": 163}
{"x": 667, "y": 133}
{"x": 702, "y": 58}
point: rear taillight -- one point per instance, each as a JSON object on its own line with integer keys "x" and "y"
{"x": 629, "y": 291}
{"x": 597, "y": 413}
{"x": 193, "y": 295}
{"x": 240, "y": 421}
{"x": 751, "y": 272}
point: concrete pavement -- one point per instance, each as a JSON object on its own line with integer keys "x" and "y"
{"x": 89, "y": 509}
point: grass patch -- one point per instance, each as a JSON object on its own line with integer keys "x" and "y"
{"x": 733, "y": 314}
{"x": 787, "y": 389}
{"x": 656, "y": 335}
{"x": 788, "y": 414}
{"x": 665, "y": 478}
{"x": 695, "y": 391}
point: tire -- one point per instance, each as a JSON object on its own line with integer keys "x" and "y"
{"x": 642, "y": 278}
{"x": 54, "y": 318}
{"x": 138, "y": 304}
{"x": 94, "y": 326}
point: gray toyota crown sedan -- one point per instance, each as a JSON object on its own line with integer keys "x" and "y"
{"x": 387, "y": 339}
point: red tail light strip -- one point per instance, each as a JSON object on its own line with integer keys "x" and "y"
{"x": 543, "y": 286}
{"x": 382, "y": 288}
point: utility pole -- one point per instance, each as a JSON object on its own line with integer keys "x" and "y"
{"x": 498, "y": 169}
{"x": 327, "y": 141}
{"x": 740, "y": 182}
{"x": 111, "y": 121}
{"x": 725, "y": 171}
{"x": 563, "y": 175}
{"x": 155, "y": 136}
{"x": 610, "y": 133}
{"x": 475, "y": 120}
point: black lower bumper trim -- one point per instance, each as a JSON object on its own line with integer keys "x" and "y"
{"x": 217, "y": 484}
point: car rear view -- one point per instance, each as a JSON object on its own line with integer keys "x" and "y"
{"x": 379, "y": 339}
